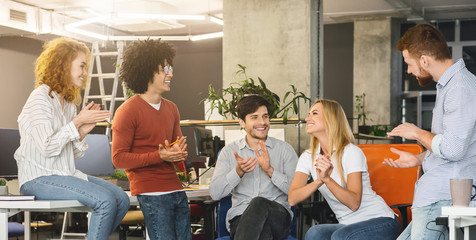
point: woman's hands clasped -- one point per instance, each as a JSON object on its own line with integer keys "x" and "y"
{"x": 324, "y": 167}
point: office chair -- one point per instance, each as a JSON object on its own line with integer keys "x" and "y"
{"x": 225, "y": 204}
{"x": 394, "y": 185}
{"x": 15, "y": 229}
{"x": 132, "y": 218}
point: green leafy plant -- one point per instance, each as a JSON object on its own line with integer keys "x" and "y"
{"x": 184, "y": 177}
{"x": 225, "y": 102}
{"x": 118, "y": 175}
{"x": 360, "y": 109}
{"x": 129, "y": 92}
{"x": 380, "y": 130}
{"x": 3, "y": 182}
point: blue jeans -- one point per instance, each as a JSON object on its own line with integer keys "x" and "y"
{"x": 109, "y": 202}
{"x": 166, "y": 216}
{"x": 381, "y": 228}
{"x": 423, "y": 227}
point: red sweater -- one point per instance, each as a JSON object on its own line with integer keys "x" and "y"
{"x": 138, "y": 129}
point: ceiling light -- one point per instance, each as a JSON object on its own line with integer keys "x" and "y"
{"x": 86, "y": 33}
{"x": 74, "y": 27}
{"x": 133, "y": 38}
{"x": 216, "y": 20}
{"x": 160, "y": 16}
{"x": 206, "y": 36}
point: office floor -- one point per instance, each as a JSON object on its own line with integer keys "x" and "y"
{"x": 47, "y": 235}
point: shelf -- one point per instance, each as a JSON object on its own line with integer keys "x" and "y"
{"x": 185, "y": 123}
{"x": 367, "y": 136}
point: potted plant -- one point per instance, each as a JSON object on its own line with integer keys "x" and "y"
{"x": 362, "y": 114}
{"x": 380, "y": 130}
{"x": 120, "y": 179}
{"x": 3, "y": 186}
{"x": 225, "y": 103}
{"x": 183, "y": 176}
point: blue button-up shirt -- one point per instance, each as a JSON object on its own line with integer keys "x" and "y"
{"x": 257, "y": 183}
{"x": 454, "y": 146}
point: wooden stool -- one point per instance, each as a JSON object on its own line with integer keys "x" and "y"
{"x": 133, "y": 217}
{"x": 36, "y": 225}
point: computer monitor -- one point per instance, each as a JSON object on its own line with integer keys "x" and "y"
{"x": 201, "y": 145}
{"x": 9, "y": 143}
{"x": 193, "y": 156}
{"x": 204, "y": 142}
{"x": 218, "y": 144}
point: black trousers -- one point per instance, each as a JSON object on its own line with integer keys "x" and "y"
{"x": 262, "y": 219}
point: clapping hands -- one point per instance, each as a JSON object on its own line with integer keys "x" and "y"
{"x": 174, "y": 153}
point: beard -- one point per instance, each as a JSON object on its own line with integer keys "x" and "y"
{"x": 424, "y": 78}
{"x": 257, "y": 135}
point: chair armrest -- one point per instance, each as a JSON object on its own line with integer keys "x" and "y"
{"x": 404, "y": 213}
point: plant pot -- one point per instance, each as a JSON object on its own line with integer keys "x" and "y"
{"x": 122, "y": 183}
{"x": 3, "y": 190}
{"x": 364, "y": 129}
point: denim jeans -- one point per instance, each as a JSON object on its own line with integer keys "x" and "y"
{"x": 381, "y": 228}
{"x": 423, "y": 227}
{"x": 109, "y": 202}
{"x": 262, "y": 219}
{"x": 166, "y": 216}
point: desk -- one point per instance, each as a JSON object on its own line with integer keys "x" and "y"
{"x": 460, "y": 217}
{"x": 10, "y": 208}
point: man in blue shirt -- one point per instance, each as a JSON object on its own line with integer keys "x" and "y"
{"x": 257, "y": 170}
{"x": 451, "y": 144}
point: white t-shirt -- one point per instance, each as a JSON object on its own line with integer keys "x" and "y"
{"x": 353, "y": 160}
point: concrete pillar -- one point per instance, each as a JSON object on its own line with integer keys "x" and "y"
{"x": 272, "y": 39}
{"x": 372, "y": 67}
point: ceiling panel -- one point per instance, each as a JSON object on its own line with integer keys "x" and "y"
{"x": 335, "y": 11}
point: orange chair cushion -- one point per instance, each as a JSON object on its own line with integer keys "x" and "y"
{"x": 394, "y": 185}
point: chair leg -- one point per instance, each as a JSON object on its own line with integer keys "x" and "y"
{"x": 63, "y": 229}
{"x": 123, "y": 232}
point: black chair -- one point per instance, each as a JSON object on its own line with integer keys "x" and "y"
{"x": 15, "y": 229}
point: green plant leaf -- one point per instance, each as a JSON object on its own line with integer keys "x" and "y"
{"x": 226, "y": 101}
{"x": 285, "y": 116}
{"x": 286, "y": 95}
{"x": 295, "y": 107}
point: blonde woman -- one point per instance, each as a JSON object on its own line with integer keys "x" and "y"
{"x": 339, "y": 171}
{"x": 53, "y": 135}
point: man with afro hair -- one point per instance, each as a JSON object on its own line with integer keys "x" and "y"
{"x": 143, "y": 128}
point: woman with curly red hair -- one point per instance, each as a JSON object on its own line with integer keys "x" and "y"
{"x": 53, "y": 135}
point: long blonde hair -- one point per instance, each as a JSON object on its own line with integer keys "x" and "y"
{"x": 338, "y": 132}
{"x": 53, "y": 67}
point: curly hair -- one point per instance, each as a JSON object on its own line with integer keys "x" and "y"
{"x": 53, "y": 67}
{"x": 141, "y": 60}
{"x": 423, "y": 39}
